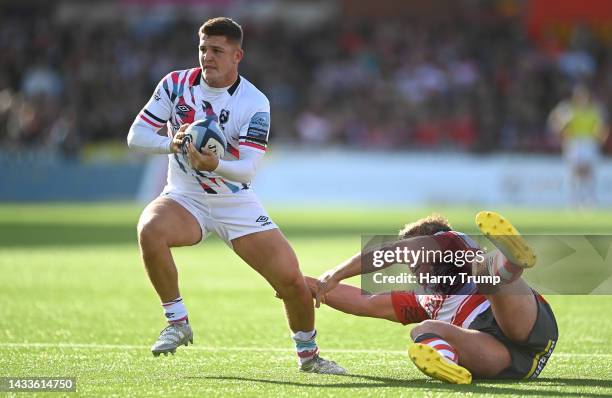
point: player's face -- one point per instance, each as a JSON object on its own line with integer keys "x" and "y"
{"x": 219, "y": 59}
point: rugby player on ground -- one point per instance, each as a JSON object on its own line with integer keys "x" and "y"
{"x": 463, "y": 330}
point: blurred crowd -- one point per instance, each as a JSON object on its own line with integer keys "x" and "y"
{"x": 474, "y": 83}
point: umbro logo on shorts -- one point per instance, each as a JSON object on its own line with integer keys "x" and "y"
{"x": 264, "y": 220}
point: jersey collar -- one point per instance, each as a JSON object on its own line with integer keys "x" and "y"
{"x": 230, "y": 89}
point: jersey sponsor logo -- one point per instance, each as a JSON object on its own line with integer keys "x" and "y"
{"x": 185, "y": 113}
{"x": 224, "y": 116}
{"x": 259, "y": 126}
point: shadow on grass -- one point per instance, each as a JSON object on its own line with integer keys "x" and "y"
{"x": 485, "y": 387}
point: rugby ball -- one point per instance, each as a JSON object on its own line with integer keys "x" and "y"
{"x": 205, "y": 134}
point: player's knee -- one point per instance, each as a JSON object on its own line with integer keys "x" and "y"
{"x": 150, "y": 232}
{"x": 292, "y": 285}
{"x": 518, "y": 334}
{"x": 429, "y": 326}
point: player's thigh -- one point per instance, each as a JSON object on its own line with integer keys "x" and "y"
{"x": 165, "y": 220}
{"x": 270, "y": 254}
{"x": 479, "y": 352}
{"x": 515, "y": 309}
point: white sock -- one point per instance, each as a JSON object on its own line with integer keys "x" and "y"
{"x": 175, "y": 311}
{"x": 498, "y": 265}
{"x": 305, "y": 345}
{"x": 447, "y": 351}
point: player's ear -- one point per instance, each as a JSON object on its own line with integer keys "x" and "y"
{"x": 238, "y": 55}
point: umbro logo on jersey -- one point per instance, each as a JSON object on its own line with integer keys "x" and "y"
{"x": 263, "y": 220}
{"x": 157, "y": 95}
{"x": 183, "y": 108}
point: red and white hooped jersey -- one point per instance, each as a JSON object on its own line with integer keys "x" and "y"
{"x": 458, "y": 309}
{"x": 242, "y": 111}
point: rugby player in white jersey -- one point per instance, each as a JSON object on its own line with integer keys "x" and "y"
{"x": 206, "y": 194}
{"x": 465, "y": 329}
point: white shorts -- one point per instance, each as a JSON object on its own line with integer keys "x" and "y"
{"x": 581, "y": 151}
{"x": 229, "y": 216}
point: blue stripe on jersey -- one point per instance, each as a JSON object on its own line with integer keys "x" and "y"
{"x": 166, "y": 89}
{"x": 233, "y": 188}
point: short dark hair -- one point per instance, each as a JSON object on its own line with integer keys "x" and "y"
{"x": 426, "y": 226}
{"x": 222, "y": 26}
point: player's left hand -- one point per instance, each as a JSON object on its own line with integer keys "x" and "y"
{"x": 204, "y": 160}
{"x": 325, "y": 283}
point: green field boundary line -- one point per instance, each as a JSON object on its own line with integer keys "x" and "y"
{"x": 78, "y": 346}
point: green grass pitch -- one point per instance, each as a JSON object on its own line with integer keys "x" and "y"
{"x": 76, "y": 302}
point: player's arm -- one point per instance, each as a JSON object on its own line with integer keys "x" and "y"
{"x": 253, "y": 142}
{"x": 143, "y": 136}
{"x": 352, "y": 300}
{"x": 363, "y": 263}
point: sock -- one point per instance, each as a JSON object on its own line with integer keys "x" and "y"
{"x": 434, "y": 341}
{"x": 175, "y": 311}
{"x": 498, "y": 265}
{"x": 305, "y": 345}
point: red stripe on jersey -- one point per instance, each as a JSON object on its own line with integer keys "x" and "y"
{"x": 260, "y": 147}
{"x": 234, "y": 151}
{"x": 194, "y": 74}
{"x": 434, "y": 314}
{"x": 152, "y": 123}
{"x": 466, "y": 308}
{"x": 174, "y": 76}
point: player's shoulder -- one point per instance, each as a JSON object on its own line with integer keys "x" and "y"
{"x": 254, "y": 97}
{"x": 458, "y": 240}
{"x": 191, "y": 76}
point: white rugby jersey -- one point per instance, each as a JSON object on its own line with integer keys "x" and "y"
{"x": 243, "y": 114}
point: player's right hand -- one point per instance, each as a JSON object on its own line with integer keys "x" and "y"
{"x": 178, "y": 138}
{"x": 325, "y": 284}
